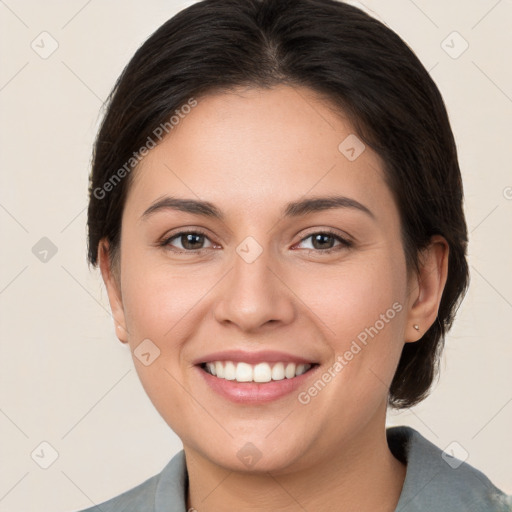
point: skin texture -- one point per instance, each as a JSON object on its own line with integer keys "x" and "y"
{"x": 250, "y": 152}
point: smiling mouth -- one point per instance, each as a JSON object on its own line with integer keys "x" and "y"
{"x": 260, "y": 372}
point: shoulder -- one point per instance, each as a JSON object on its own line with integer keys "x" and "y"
{"x": 436, "y": 480}
{"x": 164, "y": 491}
{"x": 139, "y": 498}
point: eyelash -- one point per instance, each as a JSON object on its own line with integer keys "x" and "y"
{"x": 344, "y": 243}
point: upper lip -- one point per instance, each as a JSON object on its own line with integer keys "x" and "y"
{"x": 262, "y": 356}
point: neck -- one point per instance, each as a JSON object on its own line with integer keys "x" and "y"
{"x": 361, "y": 474}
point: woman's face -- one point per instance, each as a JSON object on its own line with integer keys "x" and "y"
{"x": 261, "y": 282}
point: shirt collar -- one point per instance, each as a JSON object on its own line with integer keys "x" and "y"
{"x": 436, "y": 480}
{"x": 171, "y": 491}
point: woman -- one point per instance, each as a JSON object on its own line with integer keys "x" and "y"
{"x": 276, "y": 208}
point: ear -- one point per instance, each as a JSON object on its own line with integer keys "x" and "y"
{"x": 113, "y": 286}
{"x": 426, "y": 288}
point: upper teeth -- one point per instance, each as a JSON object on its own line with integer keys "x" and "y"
{"x": 261, "y": 372}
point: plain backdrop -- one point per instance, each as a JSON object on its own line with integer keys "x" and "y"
{"x": 67, "y": 382}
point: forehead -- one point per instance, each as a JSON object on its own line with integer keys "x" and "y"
{"x": 262, "y": 147}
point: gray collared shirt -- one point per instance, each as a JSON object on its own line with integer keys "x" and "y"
{"x": 434, "y": 482}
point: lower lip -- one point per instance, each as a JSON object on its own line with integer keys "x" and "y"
{"x": 255, "y": 392}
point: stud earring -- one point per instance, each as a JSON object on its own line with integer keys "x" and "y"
{"x": 416, "y": 326}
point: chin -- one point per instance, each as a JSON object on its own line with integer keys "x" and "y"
{"x": 256, "y": 455}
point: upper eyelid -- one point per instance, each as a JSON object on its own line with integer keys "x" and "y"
{"x": 330, "y": 232}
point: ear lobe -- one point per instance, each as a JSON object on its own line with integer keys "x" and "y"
{"x": 430, "y": 284}
{"x": 113, "y": 287}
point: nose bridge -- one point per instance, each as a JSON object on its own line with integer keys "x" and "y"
{"x": 253, "y": 295}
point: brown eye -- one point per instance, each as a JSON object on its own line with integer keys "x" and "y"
{"x": 187, "y": 241}
{"x": 325, "y": 241}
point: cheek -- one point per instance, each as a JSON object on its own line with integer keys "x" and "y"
{"x": 354, "y": 296}
{"x": 362, "y": 308}
{"x": 159, "y": 304}
{"x": 159, "y": 299}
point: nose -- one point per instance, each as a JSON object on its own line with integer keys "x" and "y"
{"x": 254, "y": 295}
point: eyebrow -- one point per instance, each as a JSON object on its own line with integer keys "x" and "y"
{"x": 292, "y": 209}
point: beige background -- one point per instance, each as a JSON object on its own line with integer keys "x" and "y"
{"x": 67, "y": 381}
